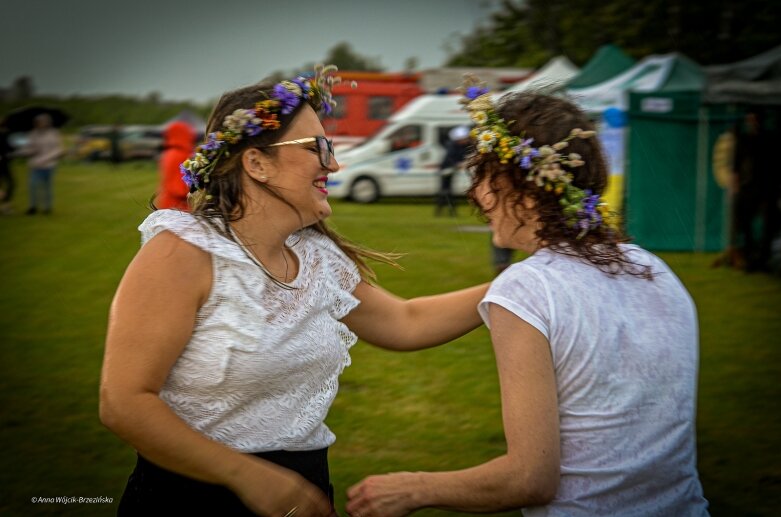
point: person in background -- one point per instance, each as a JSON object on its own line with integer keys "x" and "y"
{"x": 115, "y": 144}
{"x": 596, "y": 340}
{"x": 179, "y": 144}
{"x": 44, "y": 149}
{"x": 232, "y": 324}
{"x": 455, "y": 152}
{"x": 6, "y": 176}
{"x": 756, "y": 187}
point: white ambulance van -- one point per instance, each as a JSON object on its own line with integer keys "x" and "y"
{"x": 403, "y": 158}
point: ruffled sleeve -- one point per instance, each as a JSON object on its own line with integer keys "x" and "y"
{"x": 194, "y": 230}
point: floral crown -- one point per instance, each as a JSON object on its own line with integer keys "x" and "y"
{"x": 583, "y": 210}
{"x": 263, "y": 116}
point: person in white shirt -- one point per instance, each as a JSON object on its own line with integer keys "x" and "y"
{"x": 231, "y": 325}
{"x": 44, "y": 149}
{"x": 596, "y": 340}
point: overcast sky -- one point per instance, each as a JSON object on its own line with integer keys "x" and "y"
{"x": 196, "y": 49}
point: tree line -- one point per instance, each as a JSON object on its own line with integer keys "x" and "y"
{"x": 527, "y": 33}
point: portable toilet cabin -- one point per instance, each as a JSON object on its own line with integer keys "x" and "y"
{"x": 671, "y": 200}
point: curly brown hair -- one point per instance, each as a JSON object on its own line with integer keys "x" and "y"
{"x": 222, "y": 201}
{"x": 548, "y": 120}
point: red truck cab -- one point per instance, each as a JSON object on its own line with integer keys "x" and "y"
{"x": 362, "y": 110}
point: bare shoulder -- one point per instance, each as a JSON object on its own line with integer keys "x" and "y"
{"x": 168, "y": 263}
{"x": 154, "y": 311}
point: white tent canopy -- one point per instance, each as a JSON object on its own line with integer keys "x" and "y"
{"x": 551, "y": 76}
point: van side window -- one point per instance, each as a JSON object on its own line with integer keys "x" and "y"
{"x": 406, "y": 137}
{"x": 380, "y": 107}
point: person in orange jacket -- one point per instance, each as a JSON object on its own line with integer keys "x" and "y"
{"x": 179, "y": 145}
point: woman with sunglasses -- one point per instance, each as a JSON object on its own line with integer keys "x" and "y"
{"x": 233, "y": 322}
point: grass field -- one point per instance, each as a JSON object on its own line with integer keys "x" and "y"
{"x": 437, "y": 409}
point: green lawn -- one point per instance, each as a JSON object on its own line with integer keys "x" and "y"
{"x": 437, "y": 409}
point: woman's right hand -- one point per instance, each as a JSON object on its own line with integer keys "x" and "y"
{"x": 274, "y": 491}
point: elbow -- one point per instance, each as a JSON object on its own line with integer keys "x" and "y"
{"x": 532, "y": 486}
{"x": 110, "y": 410}
{"x": 540, "y": 487}
{"x": 543, "y": 492}
{"x": 107, "y": 410}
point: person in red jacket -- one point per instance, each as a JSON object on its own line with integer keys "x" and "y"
{"x": 179, "y": 145}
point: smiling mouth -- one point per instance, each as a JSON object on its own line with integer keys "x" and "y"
{"x": 320, "y": 183}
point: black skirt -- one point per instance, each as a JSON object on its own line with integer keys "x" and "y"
{"x": 153, "y": 490}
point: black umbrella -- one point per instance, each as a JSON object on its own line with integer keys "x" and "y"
{"x": 23, "y": 119}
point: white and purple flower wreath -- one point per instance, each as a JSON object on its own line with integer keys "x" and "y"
{"x": 263, "y": 116}
{"x": 582, "y": 210}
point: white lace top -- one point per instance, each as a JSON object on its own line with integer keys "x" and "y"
{"x": 261, "y": 369}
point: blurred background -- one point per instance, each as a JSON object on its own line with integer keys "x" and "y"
{"x": 686, "y": 97}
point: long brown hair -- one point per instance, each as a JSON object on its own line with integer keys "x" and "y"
{"x": 548, "y": 120}
{"x": 222, "y": 201}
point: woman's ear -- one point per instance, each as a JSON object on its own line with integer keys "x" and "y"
{"x": 255, "y": 164}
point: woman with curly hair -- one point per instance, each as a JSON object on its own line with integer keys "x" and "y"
{"x": 596, "y": 340}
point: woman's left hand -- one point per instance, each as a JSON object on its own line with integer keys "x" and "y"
{"x": 389, "y": 495}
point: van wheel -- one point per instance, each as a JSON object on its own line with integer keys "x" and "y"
{"x": 364, "y": 190}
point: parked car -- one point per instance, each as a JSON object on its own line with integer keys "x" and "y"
{"x": 136, "y": 142}
{"x": 141, "y": 142}
{"x": 93, "y": 143}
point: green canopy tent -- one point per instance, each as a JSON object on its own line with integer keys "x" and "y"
{"x": 607, "y": 62}
{"x": 672, "y": 199}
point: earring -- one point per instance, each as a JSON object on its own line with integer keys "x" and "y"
{"x": 263, "y": 179}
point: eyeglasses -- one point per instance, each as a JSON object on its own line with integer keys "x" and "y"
{"x": 325, "y": 148}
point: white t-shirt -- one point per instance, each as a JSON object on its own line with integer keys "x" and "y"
{"x": 262, "y": 366}
{"x": 625, "y": 355}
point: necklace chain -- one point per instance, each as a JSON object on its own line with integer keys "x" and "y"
{"x": 259, "y": 263}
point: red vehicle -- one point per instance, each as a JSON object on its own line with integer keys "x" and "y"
{"x": 363, "y": 110}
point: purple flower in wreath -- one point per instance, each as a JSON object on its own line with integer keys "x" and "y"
{"x": 286, "y": 98}
{"x": 306, "y": 88}
{"x": 526, "y": 162}
{"x": 590, "y": 201}
{"x": 187, "y": 176}
{"x": 252, "y": 129}
{"x": 474, "y": 92}
{"x": 212, "y": 143}
{"x": 589, "y": 216}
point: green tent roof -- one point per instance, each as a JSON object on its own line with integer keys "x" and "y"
{"x": 608, "y": 62}
{"x": 659, "y": 73}
{"x": 684, "y": 76}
